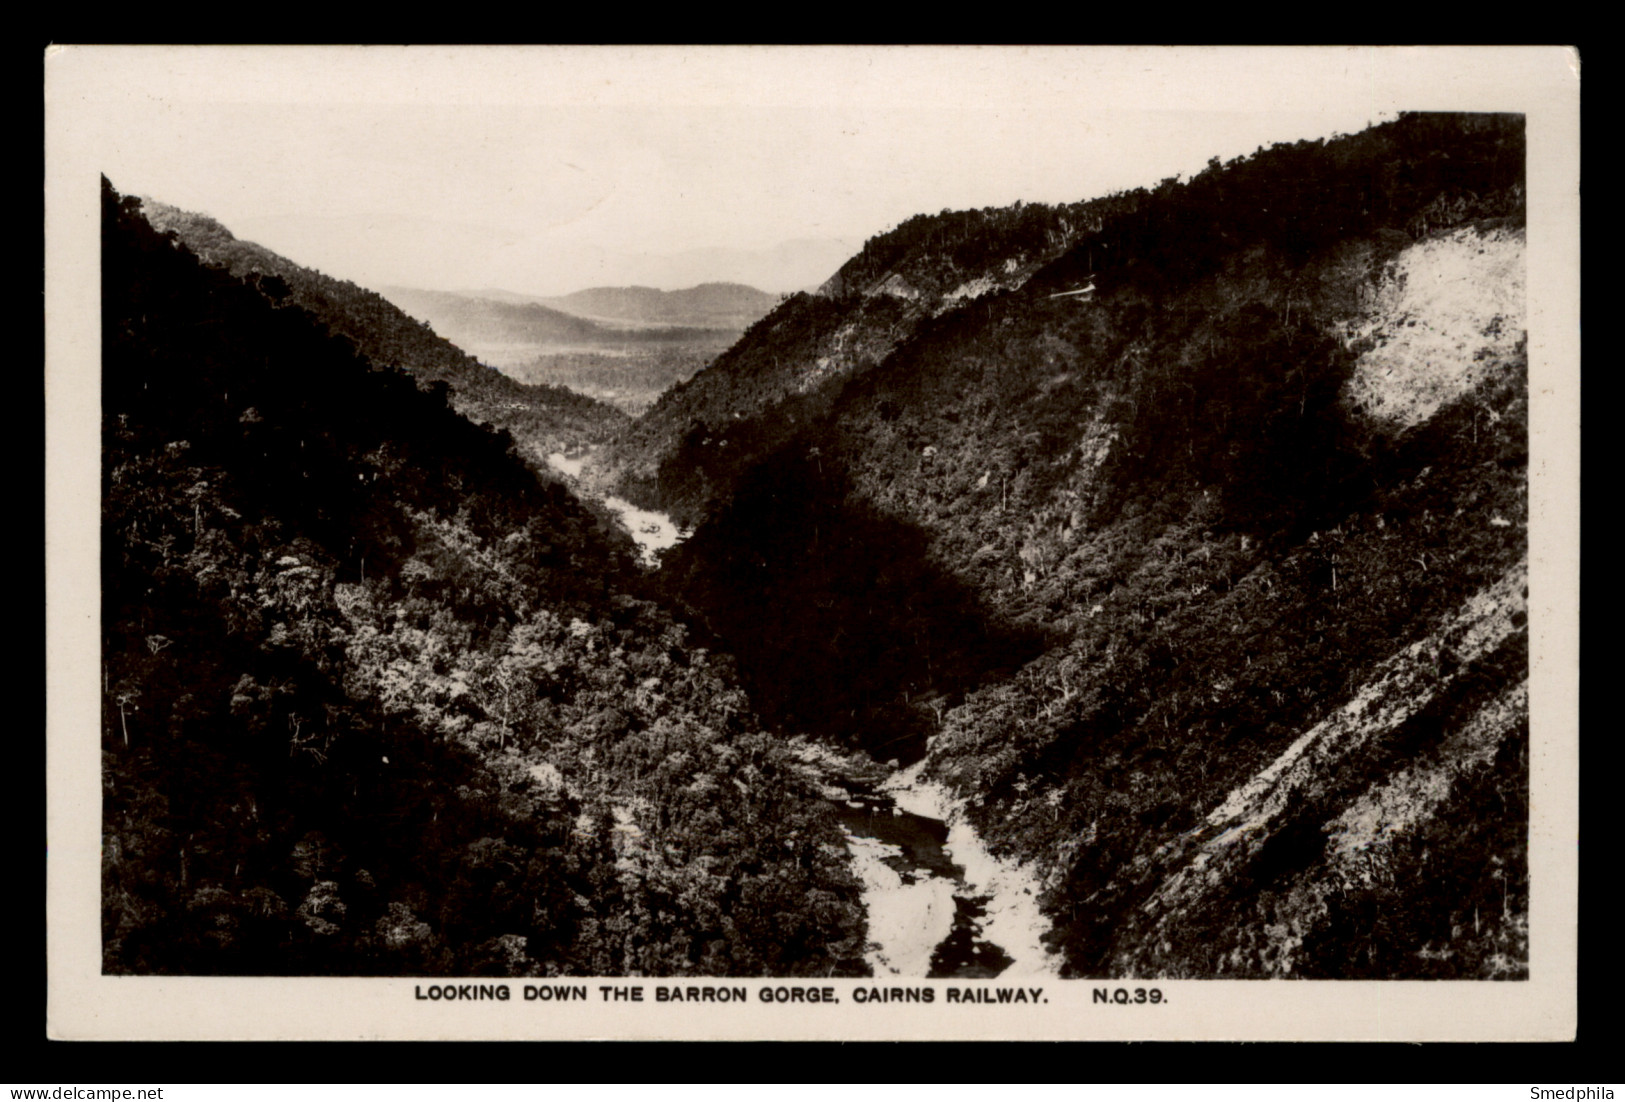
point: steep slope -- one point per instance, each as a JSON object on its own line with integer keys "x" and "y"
{"x": 690, "y": 449}
{"x": 378, "y": 700}
{"x": 1236, "y": 649}
{"x": 542, "y": 418}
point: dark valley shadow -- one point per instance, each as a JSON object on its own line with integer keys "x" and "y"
{"x": 840, "y": 623}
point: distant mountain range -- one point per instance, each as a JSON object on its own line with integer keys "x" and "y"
{"x": 382, "y": 248}
{"x": 707, "y": 306}
{"x": 622, "y": 345}
{"x": 619, "y": 317}
{"x": 542, "y": 418}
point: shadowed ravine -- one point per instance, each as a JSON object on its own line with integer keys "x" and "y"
{"x": 842, "y": 624}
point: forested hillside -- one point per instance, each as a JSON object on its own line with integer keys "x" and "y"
{"x": 1181, "y": 534}
{"x": 701, "y": 436}
{"x": 380, "y": 701}
{"x": 542, "y": 418}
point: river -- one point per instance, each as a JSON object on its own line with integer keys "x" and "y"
{"x": 940, "y": 905}
{"x": 654, "y": 532}
{"x": 924, "y": 920}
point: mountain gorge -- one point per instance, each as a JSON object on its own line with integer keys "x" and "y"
{"x": 1176, "y": 540}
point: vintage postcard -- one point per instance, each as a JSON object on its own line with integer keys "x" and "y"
{"x": 812, "y": 543}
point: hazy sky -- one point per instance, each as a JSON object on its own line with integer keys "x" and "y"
{"x": 547, "y": 170}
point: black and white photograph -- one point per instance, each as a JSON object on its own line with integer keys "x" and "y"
{"x": 812, "y": 542}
